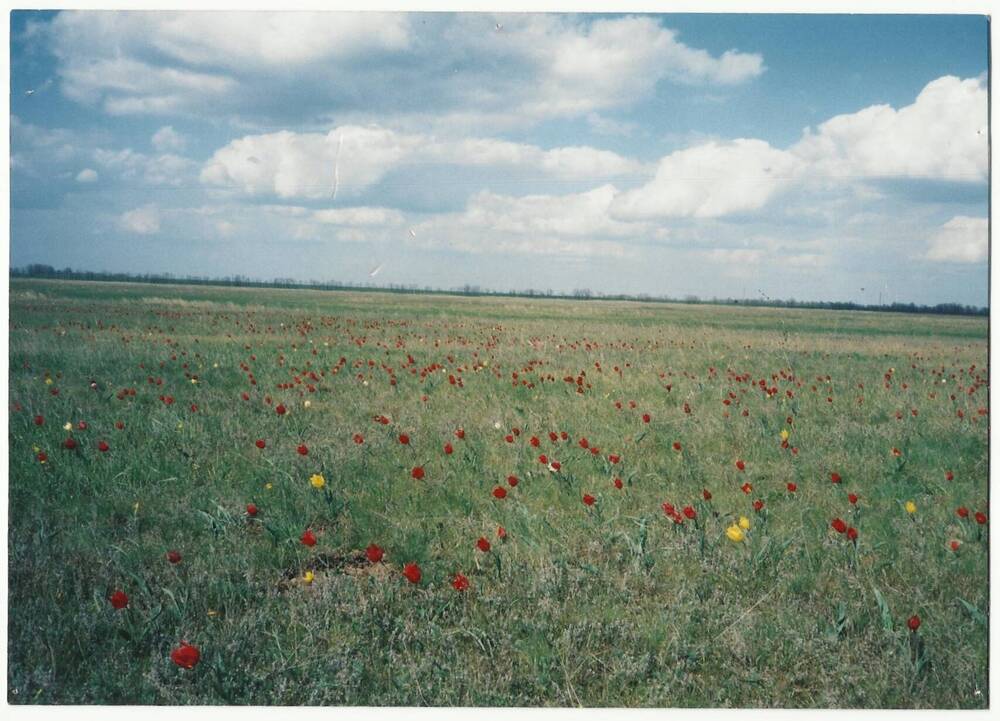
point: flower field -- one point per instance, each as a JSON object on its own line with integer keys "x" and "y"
{"x": 246, "y": 496}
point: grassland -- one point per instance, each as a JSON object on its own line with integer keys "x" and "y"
{"x": 609, "y": 604}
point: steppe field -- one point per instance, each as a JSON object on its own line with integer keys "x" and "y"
{"x": 248, "y": 496}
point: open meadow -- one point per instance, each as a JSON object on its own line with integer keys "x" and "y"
{"x": 255, "y": 496}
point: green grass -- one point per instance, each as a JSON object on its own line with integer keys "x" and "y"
{"x": 611, "y": 605}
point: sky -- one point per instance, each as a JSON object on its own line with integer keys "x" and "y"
{"x": 815, "y": 157}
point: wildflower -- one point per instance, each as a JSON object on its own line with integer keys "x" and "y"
{"x": 784, "y": 434}
{"x": 500, "y": 492}
{"x": 42, "y": 457}
{"x": 308, "y": 538}
{"x": 980, "y": 518}
{"x": 913, "y": 623}
{"x": 39, "y": 420}
{"x": 835, "y": 477}
{"x": 69, "y": 444}
{"x": 618, "y": 483}
{"x": 68, "y": 426}
{"x": 962, "y": 512}
{"x": 412, "y": 572}
{"x": 758, "y": 505}
{"x": 358, "y": 438}
{"x": 744, "y": 523}
{"x": 460, "y": 434}
{"x": 308, "y": 577}
{"x": 103, "y": 447}
{"x": 911, "y": 507}
{"x": 374, "y": 553}
{"x": 949, "y": 476}
{"x": 483, "y": 545}
{"x": 174, "y": 557}
{"x": 706, "y": 494}
{"x": 852, "y": 498}
{"x": 555, "y": 466}
{"x": 740, "y": 465}
{"x": 280, "y": 409}
{"x": 746, "y": 488}
{"x": 185, "y": 655}
{"x": 118, "y": 600}
{"x": 404, "y": 439}
{"x": 417, "y": 472}
{"x": 260, "y": 443}
{"x": 317, "y": 480}
{"x": 460, "y": 582}
{"x": 791, "y": 487}
{"x": 645, "y": 418}
{"x": 954, "y": 544}
{"x": 302, "y": 450}
{"x": 690, "y": 512}
{"x": 677, "y": 445}
{"x": 588, "y": 500}
{"x": 838, "y": 525}
{"x": 251, "y": 510}
{"x": 734, "y": 533}
{"x": 448, "y": 450}
{"x": 852, "y": 533}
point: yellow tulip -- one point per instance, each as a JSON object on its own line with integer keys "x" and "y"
{"x": 784, "y": 434}
{"x": 308, "y": 577}
{"x": 734, "y": 533}
{"x": 68, "y": 426}
{"x": 317, "y": 480}
{"x": 744, "y": 523}
{"x": 48, "y": 381}
{"x": 269, "y": 486}
{"x": 911, "y": 507}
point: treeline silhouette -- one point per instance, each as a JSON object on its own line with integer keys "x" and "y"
{"x": 41, "y": 271}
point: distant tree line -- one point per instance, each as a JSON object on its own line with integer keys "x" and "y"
{"x": 37, "y": 270}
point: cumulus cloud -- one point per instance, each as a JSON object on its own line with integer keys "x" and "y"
{"x": 353, "y": 158}
{"x": 87, "y": 175}
{"x": 941, "y": 135}
{"x": 962, "y": 239}
{"x": 144, "y": 220}
{"x": 166, "y": 169}
{"x": 711, "y": 180}
{"x": 359, "y": 216}
{"x": 166, "y": 139}
{"x": 199, "y": 63}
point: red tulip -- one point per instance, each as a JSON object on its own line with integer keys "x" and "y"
{"x": 614, "y": 458}
{"x": 980, "y": 517}
{"x": 852, "y": 533}
{"x": 584, "y": 444}
{"x": 448, "y": 450}
{"x": 690, "y": 512}
{"x": 618, "y": 483}
{"x": 954, "y": 544}
{"x": 838, "y": 525}
{"x": 914, "y": 622}
{"x": 835, "y": 477}
{"x": 251, "y": 510}
{"x": 501, "y": 533}
{"x": 174, "y": 557}
{"x": 791, "y": 487}
{"x": 543, "y": 459}
{"x": 500, "y": 492}
{"x": 69, "y": 444}
{"x": 483, "y": 545}
{"x": 460, "y": 434}
{"x": 741, "y": 465}
{"x": 460, "y": 583}
{"x": 412, "y": 572}
{"x": 677, "y": 445}
{"x": 260, "y": 443}
{"x": 185, "y": 655}
{"x": 308, "y": 538}
{"x": 949, "y": 476}
{"x": 42, "y": 457}
{"x": 706, "y": 494}
{"x": 534, "y": 441}
{"x": 39, "y": 420}
{"x": 852, "y": 498}
{"x": 758, "y": 504}
{"x": 119, "y": 600}
{"x": 555, "y": 465}
{"x": 645, "y": 418}
{"x": 103, "y": 447}
{"x": 404, "y": 439}
{"x": 82, "y": 425}
{"x": 374, "y": 553}
{"x": 588, "y": 499}
{"x": 280, "y": 409}
{"x": 302, "y": 450}
{"x": 119, "y": 425}
{"x": 418, "y": 472}
{"x": 359, "y": 439}
{"x": 962, "y": 512}
{"x": 512, "y": 481}
{"x": 746, "y": 488}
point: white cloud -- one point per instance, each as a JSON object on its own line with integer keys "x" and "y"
{"x": 166, "y": 169}
{"x": 941, "y": 135}
{"x": 735, "y": 256}
{"x": 144, "y": 220}
{"x": 359, "y": 216}
{"x": 352, "y": 158}
{"x": 87, "y": 175}
{"x": 199, "y": 63}
{"x": 711, "y": 180}
{"x": 961, "y": 240}
{"x": 166, "y": 139}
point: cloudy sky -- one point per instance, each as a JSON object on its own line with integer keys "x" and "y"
{"x": 814, "y": 157}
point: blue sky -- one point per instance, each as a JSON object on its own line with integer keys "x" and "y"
{"x": 809, "y": 156}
